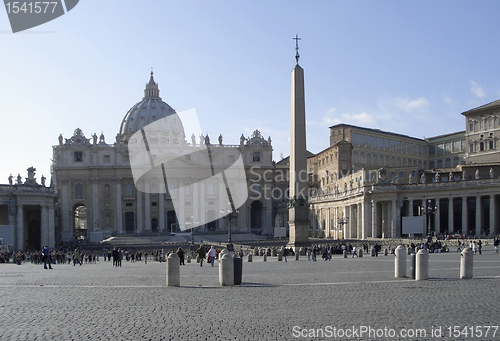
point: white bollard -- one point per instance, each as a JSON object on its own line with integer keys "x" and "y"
{"x": 249, "y": 258}
{"x": 466, "y": 263}
{"x": 173, "y": 270}
{"x": 422, "y": 265}
{"x": 400, "y": 262}
{"x": 226, "y": 270}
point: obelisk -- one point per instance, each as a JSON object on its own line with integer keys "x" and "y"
{"x": 298, "y": 208}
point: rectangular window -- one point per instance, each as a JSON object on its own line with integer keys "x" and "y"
{"x": 471, "y": 126}
{"x": 129, "y": 204}
{"x": 490, "y": 142}
{"x": 432, "y": 149}
{"x": 256, "y": 157}
{"x": 457, "y": 146}
{"x": 481, "y": 125}
{"x": 471, "y": 148}
{"x": 78, "y": 156}
{"x": 447, "y": 147}
{"x": 440, "y": 149}
{"x": 401, "y": 174}
{"x": 154, "y": 203}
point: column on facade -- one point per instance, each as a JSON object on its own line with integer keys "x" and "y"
{"x": 465, "y": 229}
{"x": 44, "y": 225}
{"x": 493, "y": 221}
{"x": 383, "y": 212}
{"x": 118, "y": 205}
{"x": 161, "y": 210}
{"x": 450, "y": 215}
{"x": 195, "y": 202}
{"x": 20, "y": 228}
{"x": 328, "y": 232}
{"x": 147, "y": 206}
{"x": 181, "y": 213}
{"x": 479, "y": 226}
{"x": 366, "y": 219}
{"x": 410, "y": 210}
{"x": 95, "y": 206}
{"x": 395, "y": 215}
{"x": 66, "y": 232}
{"x": 140, "y": 209}
{"x": 352, "y": 222}
{"x": 437, "y": 218}
{"x": 52, "y": 227}
{"x": 268, "y": 224}
{"x": 374, "y": 219}
{"x": 202, "y": 198}
{"x": 359, "y": 219}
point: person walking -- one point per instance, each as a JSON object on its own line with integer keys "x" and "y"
{"x": 201, "y": 254}
{"x": 46, "y": 257}
{"x": 285, "y": 253}
{"x": 354, "y": 252}
{"x": 496, "y": 242}
{"x": 180, "y": 253}
{"x": 212, "y": 253}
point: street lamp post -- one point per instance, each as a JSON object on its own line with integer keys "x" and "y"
{"x": 429, "y": 210}
{"x": 229, "y": 215}
{"x": 191, "y": 223}
{"x": 343, "y": 221}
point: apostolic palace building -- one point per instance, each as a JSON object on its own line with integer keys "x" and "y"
{"x": 364, "y": 184}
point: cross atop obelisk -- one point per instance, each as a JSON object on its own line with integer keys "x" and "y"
{"x": 297, "y": 56}
{"x": 298, "y": 209}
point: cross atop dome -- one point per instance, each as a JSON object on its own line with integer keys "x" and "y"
{"x": 151, "y": 90}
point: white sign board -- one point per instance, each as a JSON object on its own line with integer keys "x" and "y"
{"x": 413, "y": 225}
{"x": 280, "y": 232}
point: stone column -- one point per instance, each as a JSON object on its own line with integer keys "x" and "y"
{"x": 374, "y": 219}
{"x": 181, "y": 216}
{"x": 383, "y": 212}
{"x": 268, "y": 224}
{"x": 95, "y": 204}
{"x": 395, "y": 215}
{"x": 52, "y": 227}
{"x": 410, "y": 211}
{"x": 118, "y": 206}
{"x": 202, "y": 198}
{"x": 66, "y": 228}
{"x": 147, "y": 206}
{"x": 20, "y": 228}
{"x": 44, "y": 225}
{"x": 359, "y": 218}
{"x": 479, "y": 227}
{"x": 161, "y": 211}
{"x": 450, "y": 215}
{"x": 195, "y": 201}
{"x": 437, "y": 220}
{"x": 465, "y": 228}
{"x": 366, "y": 219}
{"x": 140, "y": 210}
{"x": 493, "y": 219}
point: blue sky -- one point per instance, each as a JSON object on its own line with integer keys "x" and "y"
{"x": 409, "y": 67}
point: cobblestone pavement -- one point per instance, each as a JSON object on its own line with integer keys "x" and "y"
{"x": 341, "y": 299}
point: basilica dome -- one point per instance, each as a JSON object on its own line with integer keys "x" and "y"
{"x": 147, "y": 111}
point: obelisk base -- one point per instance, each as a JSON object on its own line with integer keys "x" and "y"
{"x": 299, "y": 227}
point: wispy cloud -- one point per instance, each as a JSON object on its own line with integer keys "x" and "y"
{"x": 410, "y": 105}
{"x": 477, "y": 89}
{"x": 363, "y": 118}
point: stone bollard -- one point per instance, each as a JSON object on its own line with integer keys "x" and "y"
{"x": 360, "y": 253}
{"x": 226, "y": 270}
{"x": 413, "y": 258}
{"x": 249, "y": 258}
{"x": 373, "y": 252}
{"x": 466, "y": 263}
{"x": 238, "y": 270}
{"x": 297, "y": 255}
{"x": 188, "y": 258}
{"x": 345, "y": 253}
{"x": 274, "y": 253}
{"x": 173, "y": 270}
{"x": 265, "y": 257}
{"x": 422, "y": 265}
{"x": 385, "y": 252}
{"x": 400, "y": 262}
{"x": 280, "y": 256}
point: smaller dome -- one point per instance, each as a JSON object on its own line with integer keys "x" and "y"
{"x": 147, "y": 111}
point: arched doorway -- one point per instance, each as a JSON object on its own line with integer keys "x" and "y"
{"x": 80, "y": 220}
{"x": 256, "y": 217}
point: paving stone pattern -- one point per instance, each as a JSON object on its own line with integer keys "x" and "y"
{"x": 275, "y": 302}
